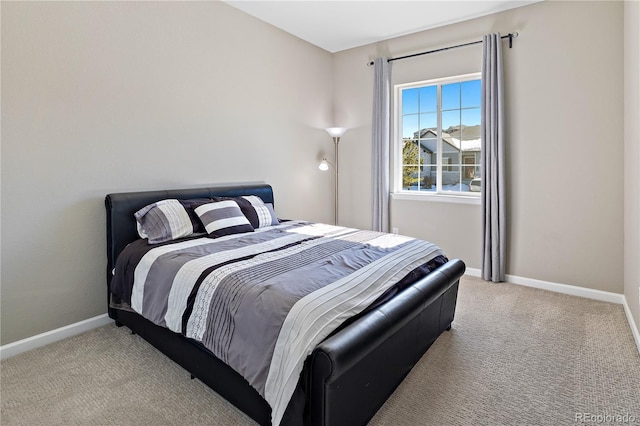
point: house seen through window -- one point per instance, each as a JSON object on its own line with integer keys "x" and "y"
{"x": 439, "y": 135}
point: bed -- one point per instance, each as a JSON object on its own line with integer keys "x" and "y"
{"x": 348, "y": 375}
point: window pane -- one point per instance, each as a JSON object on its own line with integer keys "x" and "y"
{"x": 450, "y": 157}
{"x": 410, "y": 178}
{"x": 410, "y": 126}
{"x": 470, "y": 134}
{"x": 428, "y": 181}
{"x": 468, "y": 173}
{"x": 475, "y": 185}
{"x": 470, "y": 178}
{"x": 471, "y": 94}
{"x": 429, "y": 99}
{"x": 429, "y": 151}
{"x": 451, "y": 96}
{"x": 428, "y": 121}
{"x": 410, "y": 101}
{"x": 471, "y": 146}
{"x": 411, "y": 153}
{"x": 450, "y": 121}
{"x": 471, "y": 166}
{"x": 451, "y": 178}
{"x": 471, "y": 117}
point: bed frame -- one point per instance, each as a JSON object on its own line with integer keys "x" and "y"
{"x": 350, "y": 375}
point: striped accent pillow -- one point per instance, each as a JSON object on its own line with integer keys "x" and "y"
{"x": 223, "y": 218}
{"x": 258, "y": 213}
{"x": 163, "y": 221}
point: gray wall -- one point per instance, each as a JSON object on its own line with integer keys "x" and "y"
{"x": 632, "y": 157}
{"x": 564, "y": 80}
{"x": 101, "y": 97}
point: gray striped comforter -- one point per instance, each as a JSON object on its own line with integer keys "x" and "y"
{"x": 261, "y": 301}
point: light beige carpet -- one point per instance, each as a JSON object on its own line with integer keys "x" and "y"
{"x": 515, "y": 356}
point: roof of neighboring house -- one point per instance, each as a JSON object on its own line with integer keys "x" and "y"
{"x": 464, "y": 132}
{"x": 470, "y": 138}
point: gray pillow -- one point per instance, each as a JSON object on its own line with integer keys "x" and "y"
{"x": 223, "y": 218}
{"x": 163, "y": 221}
{"x": 258, "y": 213}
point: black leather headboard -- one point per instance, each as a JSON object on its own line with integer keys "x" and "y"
{"x": 121, "y": 224}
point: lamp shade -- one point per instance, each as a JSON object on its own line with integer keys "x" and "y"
{"x": 336, "y": 132}
{"x": 324, "y": 165}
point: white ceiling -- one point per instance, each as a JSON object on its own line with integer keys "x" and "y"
{"x": 340, "y": 25}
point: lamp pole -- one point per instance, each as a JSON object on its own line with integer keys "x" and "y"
{"x": 336, "y": 140}
{"x": 336, "y": 133}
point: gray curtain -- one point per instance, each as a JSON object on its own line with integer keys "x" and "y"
{"x": 380, "y": 144}
{"x": 492, "y": 160}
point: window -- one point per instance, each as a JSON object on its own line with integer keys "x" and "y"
{"x": 438, "y": 136}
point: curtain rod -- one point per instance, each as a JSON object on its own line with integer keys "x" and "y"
{"x": 510, "y": 36}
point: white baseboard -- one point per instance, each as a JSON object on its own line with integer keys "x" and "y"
{"x": 632, "y": 324}
{"x": 473, "y": 272}
{"x": 589, "y": 293}
{"x": 38, "y": 340}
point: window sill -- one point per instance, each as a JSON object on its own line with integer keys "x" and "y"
{"x": 440, "y": 198}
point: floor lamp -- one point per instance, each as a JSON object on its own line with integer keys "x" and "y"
{"x": 336, "y": 133}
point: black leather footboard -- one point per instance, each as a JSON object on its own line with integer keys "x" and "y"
{"x": 354, "y": 371}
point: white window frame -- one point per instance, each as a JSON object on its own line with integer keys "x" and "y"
{"x": 439, "y": 194}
